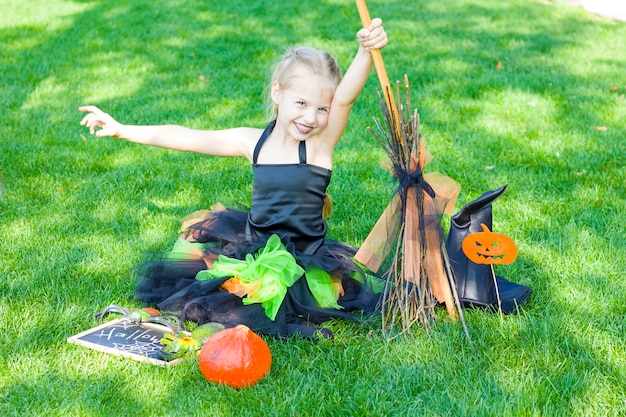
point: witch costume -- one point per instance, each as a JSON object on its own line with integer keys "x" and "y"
{"x": 272, "y": 268}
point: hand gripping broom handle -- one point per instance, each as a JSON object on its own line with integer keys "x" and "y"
{"x": 379, "y": 65}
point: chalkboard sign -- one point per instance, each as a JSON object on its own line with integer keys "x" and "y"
{"x": 122, "y": 337}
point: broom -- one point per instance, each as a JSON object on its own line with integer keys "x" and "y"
{"x": 419, "y": 273}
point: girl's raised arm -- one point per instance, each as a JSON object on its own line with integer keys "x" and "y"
{"x": 372, "y": 37}
{"x": 229, "y": 142}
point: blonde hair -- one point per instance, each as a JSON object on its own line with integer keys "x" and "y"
{"x": 319, "y": 62}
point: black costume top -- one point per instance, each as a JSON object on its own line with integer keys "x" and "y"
{"x": 287, "y": 199}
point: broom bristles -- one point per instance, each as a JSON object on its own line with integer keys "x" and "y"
{"x": 408, "y": 297}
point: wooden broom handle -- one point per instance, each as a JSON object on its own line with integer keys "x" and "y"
{"x": 379, "y": 65}
{"x": 377, "y": 57}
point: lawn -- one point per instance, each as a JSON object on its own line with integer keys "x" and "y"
{"x": 527, "y": 93}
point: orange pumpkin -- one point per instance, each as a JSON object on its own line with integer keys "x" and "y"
{"x": 237, "y": 357}
{"x": 487, "y": 247}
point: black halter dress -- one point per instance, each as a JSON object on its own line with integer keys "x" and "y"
{"x": 287, "y": 201}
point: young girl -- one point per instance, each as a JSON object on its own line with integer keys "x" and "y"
{"x": 272, "y": 269}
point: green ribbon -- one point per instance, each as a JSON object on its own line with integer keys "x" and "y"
{"x": 273, "y": 267}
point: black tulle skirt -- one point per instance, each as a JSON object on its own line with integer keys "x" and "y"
{"x": 169, "y": 282}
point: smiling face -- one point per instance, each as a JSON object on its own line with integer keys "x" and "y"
{"x": 303, "y": 104}
{"x": 302, "y": 88}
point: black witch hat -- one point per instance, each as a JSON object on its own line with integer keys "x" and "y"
{"x": 475, "y": 283}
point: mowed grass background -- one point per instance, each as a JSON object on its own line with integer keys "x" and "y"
{"x": 518, "y": 92}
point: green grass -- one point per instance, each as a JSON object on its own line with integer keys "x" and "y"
{"x": 77, "y": 213}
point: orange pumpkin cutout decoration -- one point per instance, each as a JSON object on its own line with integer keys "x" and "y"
{"x": 236, "y": 357}
{"x": 487, "y": 247}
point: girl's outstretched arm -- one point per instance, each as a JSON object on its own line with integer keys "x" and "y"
{"x": 372, "y": 37}
{"x": 229, "y": 142}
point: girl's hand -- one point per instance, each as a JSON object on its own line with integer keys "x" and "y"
{"x": 373, "y": 36}
{"x": 97, "y": 118}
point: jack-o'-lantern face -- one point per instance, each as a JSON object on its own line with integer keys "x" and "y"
{"x": 487, "y": 247}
